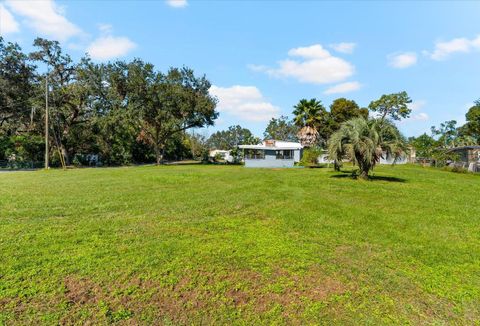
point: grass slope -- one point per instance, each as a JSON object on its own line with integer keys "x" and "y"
{"x": 230, "y": 245}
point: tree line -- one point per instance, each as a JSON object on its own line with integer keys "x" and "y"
{"x": 129, "y": 112}
{"x": 124, "y": 111}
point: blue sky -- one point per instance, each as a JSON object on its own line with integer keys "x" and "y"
{"x": 264, "y": 56}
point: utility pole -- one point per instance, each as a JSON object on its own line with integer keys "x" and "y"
{"x": 46, "y": 120}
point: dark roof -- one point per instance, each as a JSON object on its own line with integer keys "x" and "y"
{"x": 464, "y": 147}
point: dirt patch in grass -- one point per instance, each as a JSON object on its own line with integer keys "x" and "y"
{"x": 82, "y": 291}
{"x": 238, "y": 297}
{"x": 285, "y": 291}
{"x": 292, "y": 292}
{"x": 320, "y": 287}
{"x": 199, "y": 296}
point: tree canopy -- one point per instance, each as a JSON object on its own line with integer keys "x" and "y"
{"x": 393, "y": 106}
{"x": 447, "y": 133}
{"x": 281, "y": 129}
{"x": 122, "y": 111}
{"x": 17, "y": 88}
{"x": 170, "y": 103}
{"x": 424, "y": 146}
{"x": 472, "y": 127}
{"x": 309, "y": 115}
{"x": 341, "y": 110}
{"x": 231, "y": 138}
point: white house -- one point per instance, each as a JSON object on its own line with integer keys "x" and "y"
{"x": 404, "y": 159}
{"x": 323, "y": 158}
{"x": 272, "y": 154}
{"x": 408, "y": 157}
{"x": 224, "y": 155}
{"x": 390, "y": 160}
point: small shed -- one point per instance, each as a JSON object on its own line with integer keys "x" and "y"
{"x": 272, "y": 154}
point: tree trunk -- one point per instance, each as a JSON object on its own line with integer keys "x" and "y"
{"x": 64, "y": 152}
{"x": 364, "y": 175}
{"x": 364, "y": 169}
{"x": 158, "y": 146}
{"x": 336, "y": 166}
{"x": 159, "y": 153}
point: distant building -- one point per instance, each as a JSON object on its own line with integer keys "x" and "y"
{"x": 271, "y": 154}
{"x": 223, "y": 154}
{"x": 467, "y": 154}
{"x": 323, "y": 158}
{"x": 467, "y": 157}
{"x": 408, "y": 157}
{"x": 403, "y": 159}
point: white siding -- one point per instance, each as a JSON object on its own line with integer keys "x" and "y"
{"x": 270, "y": 161}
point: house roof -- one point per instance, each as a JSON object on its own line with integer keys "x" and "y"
{"x": 274, "y": 145}
{"x": 464, "y": 147}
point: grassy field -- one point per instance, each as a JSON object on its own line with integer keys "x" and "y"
{"x": 230, "y": 245}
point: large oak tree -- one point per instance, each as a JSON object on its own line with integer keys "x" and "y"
{"x": 170, "y": 103}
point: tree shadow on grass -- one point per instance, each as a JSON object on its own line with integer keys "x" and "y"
{"x": 388, "y": 179}
{"x": 350, "y": 175}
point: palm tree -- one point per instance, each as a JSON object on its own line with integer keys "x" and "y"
{"x": 309, "y": 115}
{"x": 365, "y": 142}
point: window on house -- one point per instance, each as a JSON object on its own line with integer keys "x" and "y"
{"x": 254, "y": 154}
{"x": 285, "y": 154}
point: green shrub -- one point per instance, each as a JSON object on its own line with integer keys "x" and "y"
{"x": 310, "y": 157}
{"x": 218, "y": 157}
{"x": 455, "y": 168}
{"x": 77, "y": 161}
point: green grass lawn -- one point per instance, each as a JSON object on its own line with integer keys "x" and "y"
{"x": 231, "y": 245}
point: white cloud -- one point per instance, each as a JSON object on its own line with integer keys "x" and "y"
{"x": 258, "y": 68}
{"x": 418, "y": 117}
{"x": 314, "y": 65}
{"x": 105, "y": 28}
{"x": 8, "y": 24}
{"x": 177, "y": 3}
{"x": 315, "y": 51}
{"x": 422, "y": 116}
{"x": 458, "y": 45}
{"x": 344, "y": 47}
{"x": 108, "y": 47}
{"x": 417, "y": 105}
{"x": 45, "y": 17}
{"x": 402, "y": 60}
{"x": 344, "y": 88}
{"x": 244, "y": 102}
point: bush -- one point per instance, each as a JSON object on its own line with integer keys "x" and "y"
{"x": 237, "y": 155}
{"x": 310, "y": 157}
{"x": 76, "y": 161}
{"x": 218, "y": 158}
{"x": 204, "y": 156}
{"x": 455, "y": 168}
